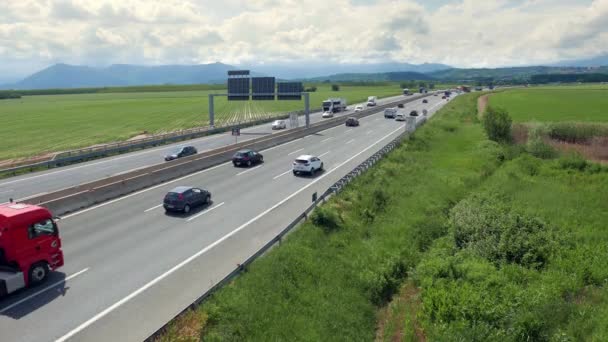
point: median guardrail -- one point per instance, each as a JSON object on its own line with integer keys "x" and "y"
{"x": 332, "y": 190}
{"x": 85, "y": 195}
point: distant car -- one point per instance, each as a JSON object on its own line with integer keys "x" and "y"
{"x": 400, "y": 105}
{"x": 414, "y": 113}
{"x": 424, "y": 112}
{"x": 180, "y": 152}
{"x": 328, "y": 115}
{"x": 307, "y": 164}
{"x": 390, "y": 113}
{"x": 358, "y": 108}
{"x": 400, "y": 117}
{"x": 247, "y": 157}
{"x": 443, "y": 97}
{"x": 279, "y": 124}
{"x": 352, "y": 121}
{"x": 425, "y": 101}
{"x": 184, "y": 198}
{"x": 435, "y": 95}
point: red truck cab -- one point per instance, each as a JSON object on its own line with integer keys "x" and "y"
{"x": 30, "y": 246}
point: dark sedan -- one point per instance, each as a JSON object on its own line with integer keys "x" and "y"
{"x": 414, "y": 113}
{"x": 425, "y": 101}
{"x": 180, "y": 152}
{"x": 247, "y": 157}
{"x": 352, "y": 122}
{"x": 184, "y": 198}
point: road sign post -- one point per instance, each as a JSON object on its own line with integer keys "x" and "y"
{"x": 236, "y": 131}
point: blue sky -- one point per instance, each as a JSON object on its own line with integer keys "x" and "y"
{"x": 463, "y": 33}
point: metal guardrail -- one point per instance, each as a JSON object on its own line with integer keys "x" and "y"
{"x": 332, "y": 190}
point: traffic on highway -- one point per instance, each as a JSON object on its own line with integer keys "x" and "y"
{"x": 184, "y": 233}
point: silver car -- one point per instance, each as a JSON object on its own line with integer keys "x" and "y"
{"x": 279, "y": 124}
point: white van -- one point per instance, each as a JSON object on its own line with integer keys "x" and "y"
{"x": 400, "y": 117}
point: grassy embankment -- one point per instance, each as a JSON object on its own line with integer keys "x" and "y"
{"x": 327, "y": 281}
{"x": 35, "y": 125}
{"x": 523, "y": 259}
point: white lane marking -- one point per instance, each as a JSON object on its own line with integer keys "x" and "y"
{"x": 281, "y": 145}
{"x": 142, "y": 191}
{"x": 282, "y": 174}
{"x": 7, "y": 191}
{"x": 324, "y": 140}
{"x": 294, "y": 152}
{"x": 31, "y": 196}
{"x": 43, "y": 290}
{"x": 369, "y": 132}
{"x": 324, "y": 154}
{"x": 348, "y": 130}
{"x": 150, "y": 209}
{"x": 209, "y": 247}
{"x": 204, "y": 212}
{"x": 248, "y": 170}
{"x": 350, "y": 141}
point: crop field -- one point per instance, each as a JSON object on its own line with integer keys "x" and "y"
{"x": 555, "y": 104}
{"x": 35, "y": 125}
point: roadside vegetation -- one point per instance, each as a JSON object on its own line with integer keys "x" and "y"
{"x": 35, "y": 125}
{"x": 328, "y": 280}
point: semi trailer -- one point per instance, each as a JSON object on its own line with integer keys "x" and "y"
{"x": 334, "y": 105}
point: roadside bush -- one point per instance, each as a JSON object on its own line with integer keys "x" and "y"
{"x": 536, "y": 146}
{"x": 576, "y": 132}
{"x": 488, "y": 228}
{"x": 497, "y": 124}
{"x": 326, "y": 218}
{"x": 335, "y": 87}
{"x": 311, "y": 89}
{"x": 573, "y": 161}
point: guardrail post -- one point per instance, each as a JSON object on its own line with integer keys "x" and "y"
{"x": 211, "y": 111}
{"x": 307, "y": 108}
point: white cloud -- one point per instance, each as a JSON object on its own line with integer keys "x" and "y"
{"x": 459, "y": 32}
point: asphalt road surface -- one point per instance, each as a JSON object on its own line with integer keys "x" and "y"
{"x": 130, "y": 268}
{"x": 38, "y": 183}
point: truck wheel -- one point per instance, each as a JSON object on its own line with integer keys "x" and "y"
{"x": 38, "y": 273}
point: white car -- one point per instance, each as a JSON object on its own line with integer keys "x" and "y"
{"x": 279, "y": 124}
{"x": 307, "y": 164}
{"x": 358, "y": 108}
{"x": 400, "y": 117}
{"x": 328, "y": 115}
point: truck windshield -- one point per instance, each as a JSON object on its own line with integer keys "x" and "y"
{"x": 46, "y": 227}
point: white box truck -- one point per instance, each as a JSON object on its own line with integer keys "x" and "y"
{"x": 371, "y": 101}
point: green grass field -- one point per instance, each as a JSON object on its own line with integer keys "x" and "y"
{"x": 34, "y": 125}
{"x": 553, "y": 104}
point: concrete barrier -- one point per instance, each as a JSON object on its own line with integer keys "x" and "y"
{"x": 85, "y": 195}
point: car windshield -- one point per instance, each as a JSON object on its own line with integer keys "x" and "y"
{"x": 301, "y": 161}
{"x": 177, "y": 150}
{"x": 277, "y": 122}
{"x": 241, "y": 154}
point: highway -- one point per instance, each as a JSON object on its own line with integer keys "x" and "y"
{"x": 38, "y": 183}
{"x": 130, "y": 267}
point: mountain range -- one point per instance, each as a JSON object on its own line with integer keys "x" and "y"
{"x": 76, "y": 76}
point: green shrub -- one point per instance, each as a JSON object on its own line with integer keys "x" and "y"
{"x": 326, "y": 218}
{"x": 573, "y": 161}
{"x": 497, "y": 124}
{"x": 490, "y": 229}
{"x": 536, "y": 146}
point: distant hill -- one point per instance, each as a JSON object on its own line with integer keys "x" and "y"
{"x": 73, "y": 76}
{"x": 310, "y": 71}
{"x": 590, "y": 62}
{"x": 67, "y": 76}
{"x": 374, "y": 77}
{"x": 516, "y": 73}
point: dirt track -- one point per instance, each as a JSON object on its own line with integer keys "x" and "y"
{"x": 482, "y": 104}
